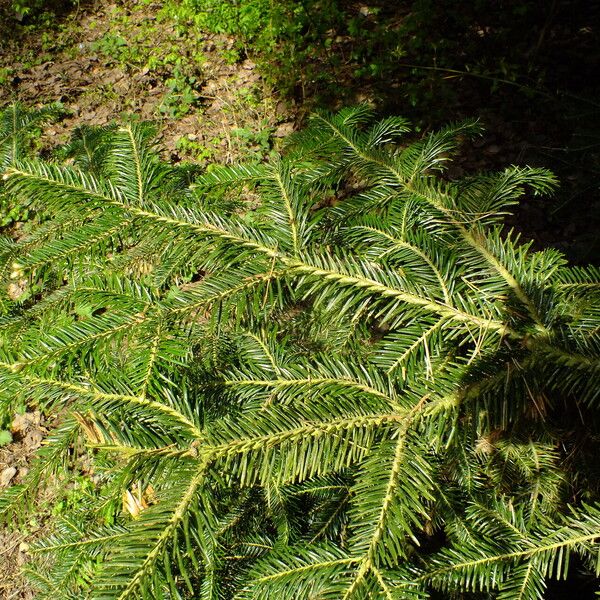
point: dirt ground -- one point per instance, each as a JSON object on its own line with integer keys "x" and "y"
{"x": 28, "y": 431}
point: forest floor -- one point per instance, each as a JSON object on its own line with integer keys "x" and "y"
{"x": 107, "y": 62}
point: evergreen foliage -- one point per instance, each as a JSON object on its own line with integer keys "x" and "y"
{"x": 333, "y": 376}
{"x": 19, "y": 127}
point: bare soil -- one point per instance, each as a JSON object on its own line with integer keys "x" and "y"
{"x": 28, "y": 430}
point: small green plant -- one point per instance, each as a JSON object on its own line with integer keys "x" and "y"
{"x": 5, "y": 75}
{"x": 112, "y": 45}
{"x": 182, "y": 96}
{"x": 79, "y": 494}
{"x": 252, "y": 143}
{"x": 38, "y": 8}
{"x": 349, "y": 383}
{"x": 25, "y": 7}
{"x": 246, "y": 18}
{"x": 202, "y": 152}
